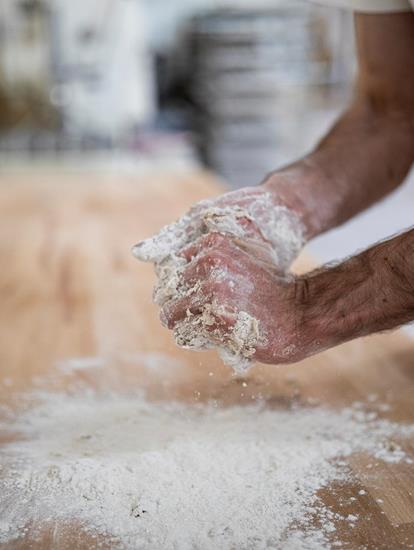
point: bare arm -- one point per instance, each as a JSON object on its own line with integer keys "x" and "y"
{"x": 366, "y": 155}
{"x": 370, "y": 292}
{"x": 369, "y": 151}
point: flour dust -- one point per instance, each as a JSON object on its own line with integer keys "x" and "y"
{"x": 152, "y": 475}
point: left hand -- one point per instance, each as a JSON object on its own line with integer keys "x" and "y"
{"x": 233, "y": 276}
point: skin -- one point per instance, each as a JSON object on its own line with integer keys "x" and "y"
{"x": 365, "y": 156}
{"x": 253, "y": 283}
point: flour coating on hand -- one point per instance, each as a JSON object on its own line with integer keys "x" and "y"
{"x": 277, "y": 225}
{"x": 195, "y": 332}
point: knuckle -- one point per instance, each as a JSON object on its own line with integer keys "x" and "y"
{"x": 212, "y": 258}
{"x": 170, "y": 313}
{"x": 215, "y": 239}
{"x": 213, "y": 288}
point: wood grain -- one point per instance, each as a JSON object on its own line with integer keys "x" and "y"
{"x": 69, "y": 288}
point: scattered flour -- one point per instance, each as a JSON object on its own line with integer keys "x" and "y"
{"x": 168, "y": 475}
{"x": 155, "y": 361}
{"x": 277, "y": 225}
{"x": 81, "y": 363}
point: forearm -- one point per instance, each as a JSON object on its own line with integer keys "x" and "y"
{"x": 368, "y": 293}
{"x": 370, "y": 149}
{"x": 363, "y": 158}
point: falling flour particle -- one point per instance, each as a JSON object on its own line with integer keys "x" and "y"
{"x": 277, "y": 225}
{"x": 168, "y": 475}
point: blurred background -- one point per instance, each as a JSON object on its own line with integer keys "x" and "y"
{"x": 241, "y": 86}
{"x": 238, "y": 86}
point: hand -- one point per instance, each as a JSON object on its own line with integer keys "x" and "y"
{"x": 255, "y": 237}
{"x": 248, "y": 308}
{"x": 254, "y": 213}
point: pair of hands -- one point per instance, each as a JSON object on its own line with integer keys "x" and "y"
{"x": 235, "y": 251}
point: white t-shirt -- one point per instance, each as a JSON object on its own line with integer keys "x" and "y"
{"x": 372, "y": 6}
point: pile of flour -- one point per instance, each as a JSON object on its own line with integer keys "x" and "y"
{"x": 278, "y": 226}
{"x": 155, "y": 475}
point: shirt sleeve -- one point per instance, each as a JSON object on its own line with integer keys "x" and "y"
{"x": 370, "y": 6}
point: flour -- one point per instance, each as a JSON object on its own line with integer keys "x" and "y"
{"x": 194, "y": 332}
{"x": 156, "y": 475}
{"x": 277, "y": 225}
{"x": 241, "y": 343}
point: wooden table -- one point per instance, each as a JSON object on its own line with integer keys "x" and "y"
{"x": 70, "y": 288}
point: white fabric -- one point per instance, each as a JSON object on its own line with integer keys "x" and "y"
{"x": 372, "y": 6}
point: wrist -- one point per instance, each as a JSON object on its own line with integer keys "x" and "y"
{"x": 334, "y": 304}
{"x": 300, "y": 187}
{"x": 368, "y": 293}
{"x": 393, "y": 265}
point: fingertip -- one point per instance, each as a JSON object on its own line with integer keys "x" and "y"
{"x": 173, "y": 311}
{"x": 142, "y": 251}
{"x": 207, "y": 241}
{"x": 136, "y": 250}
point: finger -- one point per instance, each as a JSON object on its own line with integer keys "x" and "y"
{"x": 171, "y": 239}
{"x": 203, "y": 331}
{"x": 250, "y": 229}
{"x": 230, "y": 263}
{"x": 204, "y": 242}
{"x": 260, "y": 251}
{"x": 253, "y": 244}
{"x": 195, "y": 302}
{"x": 219, "y": 226}
{"x": 178, "y": 309}
{"x": 230, "y": 220}
{"x": 211, "y": 265}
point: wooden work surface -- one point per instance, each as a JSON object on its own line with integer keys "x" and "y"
{"x": 69, "y": 288}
